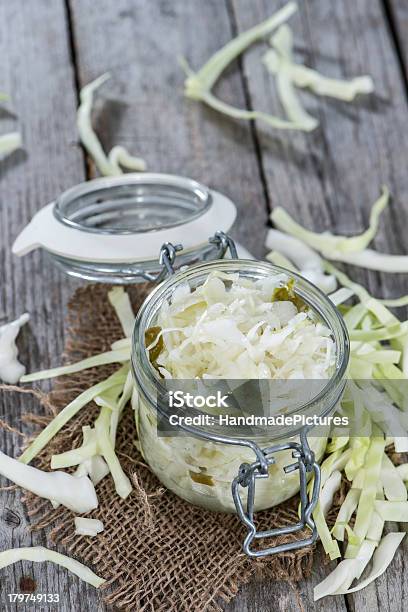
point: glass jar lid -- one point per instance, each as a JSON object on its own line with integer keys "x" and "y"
{"x": 112, "y": 229}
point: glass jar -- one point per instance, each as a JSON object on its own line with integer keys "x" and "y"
{"x": 112, "y": 229}
{"x": 219, "y": 471}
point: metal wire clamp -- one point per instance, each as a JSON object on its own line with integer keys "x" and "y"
{"x": 246, "y": 479}
{"x": 168, "y": 254}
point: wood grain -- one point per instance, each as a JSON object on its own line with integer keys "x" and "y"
{"x": 276, "y": 596}
{"x": 37, "y": 73}
{"x": 396, "y": 14}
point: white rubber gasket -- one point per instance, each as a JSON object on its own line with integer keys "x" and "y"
{"x": 45, "y": 231}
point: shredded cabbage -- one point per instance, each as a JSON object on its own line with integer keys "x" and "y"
{"x": 120, "y": 301}
{"x": 198, "y": 85}
{"x": 375, "y": 401}
{"x": 68, "y": 413}
{"x": 346, "y": 511}
{"x": 119, "y": 156}
{"x": 10, "y": 142}
{"x": 308, "y": 262}
{"x": 328, "y": 490}
{"x": 392, "y": 482}
{"x": 240, "y": 332}
{"x": 95, "y": 467}
{"x": 88, "y": 527}
{"x": 121, "y": 404}
{"x": 329, "y": 245}
{"x": 229, "y": 327}
{"x": 77, "y": 456}
{"x": 117, "y": 356}
{"x": 283, "y": 43}
{"x": 278, "y": 259}
{"x": 396, "y": 511}
{"x": 348, "y": 250}
{"x": 345, "y": 572}
{"x": 107, "y": 165}
{"x": 280, "y": 60}
{"x": 381, "y": 560}
{"x": 38, "y": 554}
{"x": 96, "y": 456}
{"x": 403, "y": 471}
{"x": 341, "y": 295}
{"x": 11, "y": 370}
{"x": 107, "y": 450}
{"x": 77, "y": 494}
{"x": 366, "y": 504}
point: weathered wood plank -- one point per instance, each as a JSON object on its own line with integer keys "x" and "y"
{"x": 330, "y": 178}
{"x": 266, "y": 596}
{"x": 38, "y": 75}
{"x": 143, "y": 105}
{"x": 396, "y": 12}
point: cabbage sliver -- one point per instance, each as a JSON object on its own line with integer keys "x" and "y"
{"x": 38, "y": 554}
{"x": 68, "y": 413}
{"x": 10, "y": 142}
{"x": 107, "y": 450}
{"x": 77, "y": 494}
{"x": 345, "y": 572}
{"x": 107, "y": 165}
{"x": 345, "y": 513}
{"x": 198, "y": 85}
{"x": 366, "y": 505}
{"x": 88, "y": 527}
{"x": 117, "y": 356}
{"x": 308, "y": 262}
{"x": 382, "y": 559}
{"x": 329, "y": 245}
{"x": 392, "y": 482}
{"x": 348, "y": 250}
{"x": 120, "y": 301}
{"x": 283, "y": 43}
{"x": 280, "y": 60}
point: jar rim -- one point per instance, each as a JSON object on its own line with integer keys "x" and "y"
{"x": 116, "y": 205}
{"x": 150, "y": 383}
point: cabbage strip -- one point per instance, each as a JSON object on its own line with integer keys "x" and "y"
{"x": 107, "y": 165}
{"x": 198, "y": 86}
{"x": 38, "y": 554}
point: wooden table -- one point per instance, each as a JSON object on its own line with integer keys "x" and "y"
{"x": 328, "y": 179}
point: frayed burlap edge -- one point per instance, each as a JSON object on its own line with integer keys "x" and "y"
{"x": 157, "y": 552}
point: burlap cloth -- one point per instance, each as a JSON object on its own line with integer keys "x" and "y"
{"x": 157, "y": 552}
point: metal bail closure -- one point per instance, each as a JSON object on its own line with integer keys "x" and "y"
{"x": 224, "y": 243}
{"x": 167, "y": 258}
{"x": 247, "y": 476}
{"x": 168, "y": 253}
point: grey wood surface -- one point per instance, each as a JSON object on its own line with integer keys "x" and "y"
{"x": 37, "y": 72}
{"x": 49, "y": 48}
